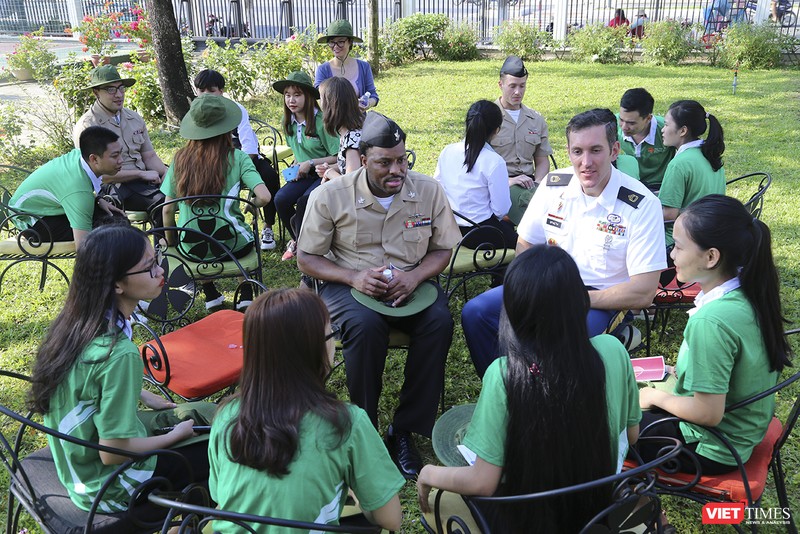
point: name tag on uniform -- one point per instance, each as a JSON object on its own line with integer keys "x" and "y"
{"x": 554, "y": 220}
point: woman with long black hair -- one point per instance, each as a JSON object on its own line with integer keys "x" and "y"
{"x": 286, "y": 447}
{"x": 87, "y": 378}
{"x": 475, "y": 178}
{"x": 555, "y": 390}
{"x": 733, "y": 344}
{"x": 696, "y": 170}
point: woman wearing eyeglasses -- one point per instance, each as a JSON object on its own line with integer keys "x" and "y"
{"x": 309, "y": 449}
{"x": 87, "y": 376}
{"x": 339, "y": 37}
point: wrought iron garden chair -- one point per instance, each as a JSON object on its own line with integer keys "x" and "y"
{"x": 29, "y": 245}
{"x": 747, "y": 483}
{"x": 195, "y": 518}
{"x": 621, "y": 515}
{"x": 34, "y": 485}
{"x": 192, "y": 359}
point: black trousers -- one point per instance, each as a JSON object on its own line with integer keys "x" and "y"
{"x": 506, "y": 239}
{"x": 138, "y": 195}
{"x": 365, "y": 340}
{"x": 273, "y": 183}
{"x": 671, "y": 429}
{"x": 58, "y": 227}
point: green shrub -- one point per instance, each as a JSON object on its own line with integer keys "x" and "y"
{"x": 750, "y": 46}
{"x": 275, "y": 61}
{"x": 458, "y": 43}
{"x": 667, "y": 42}
{"x": 71, "y": 84}
{"x": 230, "y": 61}
{"x": 597, "y": 43}
{"x": 407, "y": 37}
{"x": 516, "y": 38}
{"x": 145, "y": 96}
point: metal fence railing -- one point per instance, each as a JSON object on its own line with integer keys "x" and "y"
{"x": 273, "y": 19}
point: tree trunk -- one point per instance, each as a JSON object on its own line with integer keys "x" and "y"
{"x": 373, "y": 55}
{"x": 172, "y": 75}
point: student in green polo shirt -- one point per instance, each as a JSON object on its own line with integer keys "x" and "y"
{"x": 62, "y": 193}
{"x": 733, "y": 346}
{"x": 555, "y": 387}
{"x": 696, "y": 170}
{"x": 284, "y": 446}
{"x": 312, "y": 145}
{"x": 640, "y": 136}
{"x": 87, "y": 378}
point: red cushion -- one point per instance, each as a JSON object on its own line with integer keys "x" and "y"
{"x": 205, "y": 356}
{"x": 673, "y": 293}
{"x": 730, "y": 486}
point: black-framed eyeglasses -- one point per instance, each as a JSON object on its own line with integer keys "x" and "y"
{"x": 336, "y": 332}
{"x": 112, "y": 89}
{"x": 157, "y": 259}
{"x": 338, "y": 43}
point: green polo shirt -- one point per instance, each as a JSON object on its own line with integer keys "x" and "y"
{"x": 689, "y": 177}
{"x": 486, "y": 435}
{"x": 59, "y": 187}
{"x": 723, "y": 353}
{"x": 307, "y": 148}
{"x": 653, "y": 159}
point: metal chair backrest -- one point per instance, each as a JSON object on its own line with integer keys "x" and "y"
{"x": 755, "y": 202}
{"x": 627, "y": 488}
{"x": 182, "y": 277}
{"x": 196, "y": 517}
{"x": 16, "y": 432}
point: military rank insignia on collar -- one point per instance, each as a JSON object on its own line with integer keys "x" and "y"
{"x": 559, "y": 178}
{"x": 630, "y": 197}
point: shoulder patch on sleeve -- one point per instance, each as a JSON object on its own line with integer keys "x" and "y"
{"x": 558, "y": 178}
{"x": 630, "y": 197}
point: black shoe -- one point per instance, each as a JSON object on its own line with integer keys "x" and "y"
{"x": 404, "y": 453}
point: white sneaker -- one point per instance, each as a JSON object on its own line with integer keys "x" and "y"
{"x": 631, "y": 338}
{"x": 267, "y": 239}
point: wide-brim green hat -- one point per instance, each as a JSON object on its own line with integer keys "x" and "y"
{"x": 339, "y": 28}
{"x": 105, "y": 75}
{"x": 299, "y": 79}
{"x": 210, "y": 116}
{"x": 449, "y": 432}
{"x": 421, "y": 298}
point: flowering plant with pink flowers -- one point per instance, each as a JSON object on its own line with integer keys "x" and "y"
{"x": 138, "y": 30}
{"x": 33, "y": 54}
{"x": 97, "y": 32}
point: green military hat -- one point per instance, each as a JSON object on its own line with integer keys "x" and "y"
{"x": 299, "y": 79}
{"x": 210, "y": 116}
{"x": 105, "y": 75}
{"x": 339, "y": 28}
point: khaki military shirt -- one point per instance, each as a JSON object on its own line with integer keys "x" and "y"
{"x": 131, "y": 131}
{"x": 345, "y": 223}
{"x": 519, "y": 142}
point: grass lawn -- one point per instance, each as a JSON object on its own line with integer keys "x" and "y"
{"x": 429, "y": 101}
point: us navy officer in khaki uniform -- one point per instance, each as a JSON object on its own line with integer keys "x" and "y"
{"x": 523, "y": 141}
{"x": 136, "y": 186}
{"x": 382, "y": 217}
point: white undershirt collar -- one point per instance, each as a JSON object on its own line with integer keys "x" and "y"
{"x": 697, "y": 143}
{"x": 718, "y": 292}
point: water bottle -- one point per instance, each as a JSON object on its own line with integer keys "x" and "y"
{"x": 364, "y": 100}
